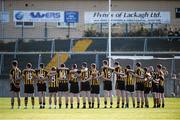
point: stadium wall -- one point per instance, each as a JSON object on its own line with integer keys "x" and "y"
{"x": 10, "y": 30}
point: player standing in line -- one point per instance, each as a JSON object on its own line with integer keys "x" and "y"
{"x": 63, "y": 74}
{"x": 41, "y": 84}
{"x": 106, "y": 74}
{"x": 28, "y": 75}
{"x": 53, "y": 86}
{"x": 15, "y": 77}
{"x": 85, "y": 85}
{"x": 139, "y": 84}
{"x": 95, "y": 87}
{"x": 160, "y": 79}
{"x": 155, "y": 85}
{"x": 161, "y": 85}
{"x": 147, "y": 85}
{"x": 74, "y": 85}
{"x": 130, "y": 81}
{"x": 120, "y": 83}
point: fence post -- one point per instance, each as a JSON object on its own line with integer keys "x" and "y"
{"x": 52, "y": 48}
{"x": 16, "y": 48}
{"x": 1, "y": 63}
{"x": 70, "y": 47}
{"x": 126, "y": 34}
{"x": 145, "y": 45}
{"x": 45, "y": 31}
{"x": 22, "y": 30}
{"x": 152, "y": 30}
{"x": 39, "y": 61}
{"x": 97, "y": 60}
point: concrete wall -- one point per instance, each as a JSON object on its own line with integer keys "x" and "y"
{"x": 78, "y": 5}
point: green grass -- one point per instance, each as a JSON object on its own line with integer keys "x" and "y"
{"x": 170, "y": 112}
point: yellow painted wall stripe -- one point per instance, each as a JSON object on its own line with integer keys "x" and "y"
{"x": 80, "y": 46}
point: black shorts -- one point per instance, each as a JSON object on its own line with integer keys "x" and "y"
{"x": 29, "y": 89}
{"x": 155, "y": 88}
{"x": 147, "y": 90}
{"x": 85, "y": 86}
{"x": 161, "y": 89}
{"x": 74, "y": 88}
{"x": 41, "y": 87}
{"x": 130, "y": 88}
{"x": 53, "y": 89}
{"x": 14, "y": 88}
{"x": 95, "y": 89}
{"x": 140, "y": 86}
{"x": 107, "y": 85}
{"x": 63, "y": 87}
{"x": 120, "y": 85}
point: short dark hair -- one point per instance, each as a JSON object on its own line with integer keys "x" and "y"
{"x": 93, "y": 65}
{"x": 145, "y": 69}
{"x": 105, "y": 62}
{"x": 41, "y": 65}
{"x": 14, "y": 62}
{"x": 116, "y": 63}
{"x": 159, "y": 66}
{"x": 138, "y": 64}
{"x": 29, "y": 65}
{"x": 74, "y": 66}
{"x": 84, "y": 64}
{"x": 62, "y": 65}
{"x": 128, "y": 66}
{"x": 53, "y": 68}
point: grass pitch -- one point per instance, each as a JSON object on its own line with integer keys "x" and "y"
{"x": 170, "y": 112}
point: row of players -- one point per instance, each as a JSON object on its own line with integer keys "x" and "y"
{"x": 127, "y": 80}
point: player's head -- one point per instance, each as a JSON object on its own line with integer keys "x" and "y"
{"x": 159, "y": 66}
{"x": 84, "y": 64}
{"x": 53, "y": 68}
{"x": 128, "y": 66}
{"x": 74, "y": 66}
{"x": 105, "y": 62}
{"x": 93, "y": 66}
{"x": 145, "y": 69}
{"x": 29, "y": 65}
{"x": 138, "y": 64}
{"x": 41, "y": 65}
{"x": 116, "y": 63}
{"x": 150, "y": 69}
{"x": 62, "y": 65}
{"x": 14, "y": 63}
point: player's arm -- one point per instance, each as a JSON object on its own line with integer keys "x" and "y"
{"x": 11, "y": 77}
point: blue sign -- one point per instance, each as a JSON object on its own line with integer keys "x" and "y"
{"x": 38, "y": 16}
{"x": 71, "y": 17}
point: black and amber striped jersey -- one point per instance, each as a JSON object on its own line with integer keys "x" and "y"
{"x": 130, "y": 79}
{"x": 41, "y": 74}
{"x": 161, "y": 78}
{"x": 73, "y": 76}
{"x": 154, "y": 76}
{"x": 140, "y": 72}
{"x": 118, "y": 69}
{"x": 15, "y": 75}
{"x": 84, "y": 74}
{"x": 63, "y": 75}
{"x": 148, "y": 80}
{"x": 53, "y": 79}
{"x": 106, "y": 72}
{"x": 94, "y": 74}
{"x": 28, "y": 76}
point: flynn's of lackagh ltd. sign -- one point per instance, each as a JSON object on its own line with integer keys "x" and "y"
{"x": 154, "y": 17}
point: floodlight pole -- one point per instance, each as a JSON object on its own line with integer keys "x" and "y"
{"x": 109, "y": 36}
